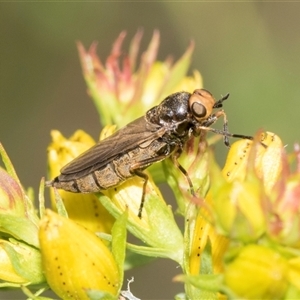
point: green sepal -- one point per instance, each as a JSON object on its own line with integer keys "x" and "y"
{"x": 149, "y": 251}
{"x": 61, "y": 210}
{"x": 42, "y": 198}
{"x": 20, "y": 228}
{"x": 8, "y": 165}
{"x": 132, "y": 259}
{"x": 99, "y": 295}
{"x": 26, "y": 264}
{"x": 189, "y": 228}
{"x": 162, "y": 232}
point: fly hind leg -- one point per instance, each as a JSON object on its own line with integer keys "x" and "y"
{"x": 145, "y": 177}
{"x": 136, "y": 169}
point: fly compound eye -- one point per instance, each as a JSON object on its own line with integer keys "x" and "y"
{"x": 201, "y": 104}
{"x": 198, "y": 110}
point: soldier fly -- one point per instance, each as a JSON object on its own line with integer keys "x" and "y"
{"x": 160, "y": 133}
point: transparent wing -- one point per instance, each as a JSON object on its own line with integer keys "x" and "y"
{"x": 123, "y": 140}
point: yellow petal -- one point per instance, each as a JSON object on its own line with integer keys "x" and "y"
{"x": 205, "y": 232}
{"x": 268, "y": 159}
{"x": 236, "y": 162}
{"x": 269, "y": 164}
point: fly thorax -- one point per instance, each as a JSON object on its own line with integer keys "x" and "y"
{"x": 181, "y": 129}
{"x": 172, "y": 109}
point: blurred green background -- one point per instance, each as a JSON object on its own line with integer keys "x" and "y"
{"x": 248, "y": 49}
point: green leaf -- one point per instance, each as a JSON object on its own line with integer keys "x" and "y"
{"x": 119, "y": 236}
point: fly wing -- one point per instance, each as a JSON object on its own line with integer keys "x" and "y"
{"x": 123, "y": 140}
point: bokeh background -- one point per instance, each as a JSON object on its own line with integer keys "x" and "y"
{"x": 251, "y": 50}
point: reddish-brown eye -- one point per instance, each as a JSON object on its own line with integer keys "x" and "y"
{"x": 198, "y": 110}
{"x": 201, "y": 104}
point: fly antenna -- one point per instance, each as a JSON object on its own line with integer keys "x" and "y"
{"x": 219, "y": 103}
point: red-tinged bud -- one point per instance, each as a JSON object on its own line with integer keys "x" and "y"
{"x": 18, "y": 217}
{"x": 138, "y": 86}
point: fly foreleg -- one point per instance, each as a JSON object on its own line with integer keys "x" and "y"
{"x": 226, "y": 134}
{"x": 212, "y": 119}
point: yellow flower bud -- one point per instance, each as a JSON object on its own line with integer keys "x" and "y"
{"x": 257, "y": 272}
{"x": 83, "y": 208}
{"x": 74, "y": 259}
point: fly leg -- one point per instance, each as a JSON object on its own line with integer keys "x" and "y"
{"x": 225, "y": 126}
{"x": 175, "y": 157}
{"x": 146, "y": 178}
{"x": 136, "y": 169}
{"x": 212, "y": 119}
{"x": 226, "y": 134}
